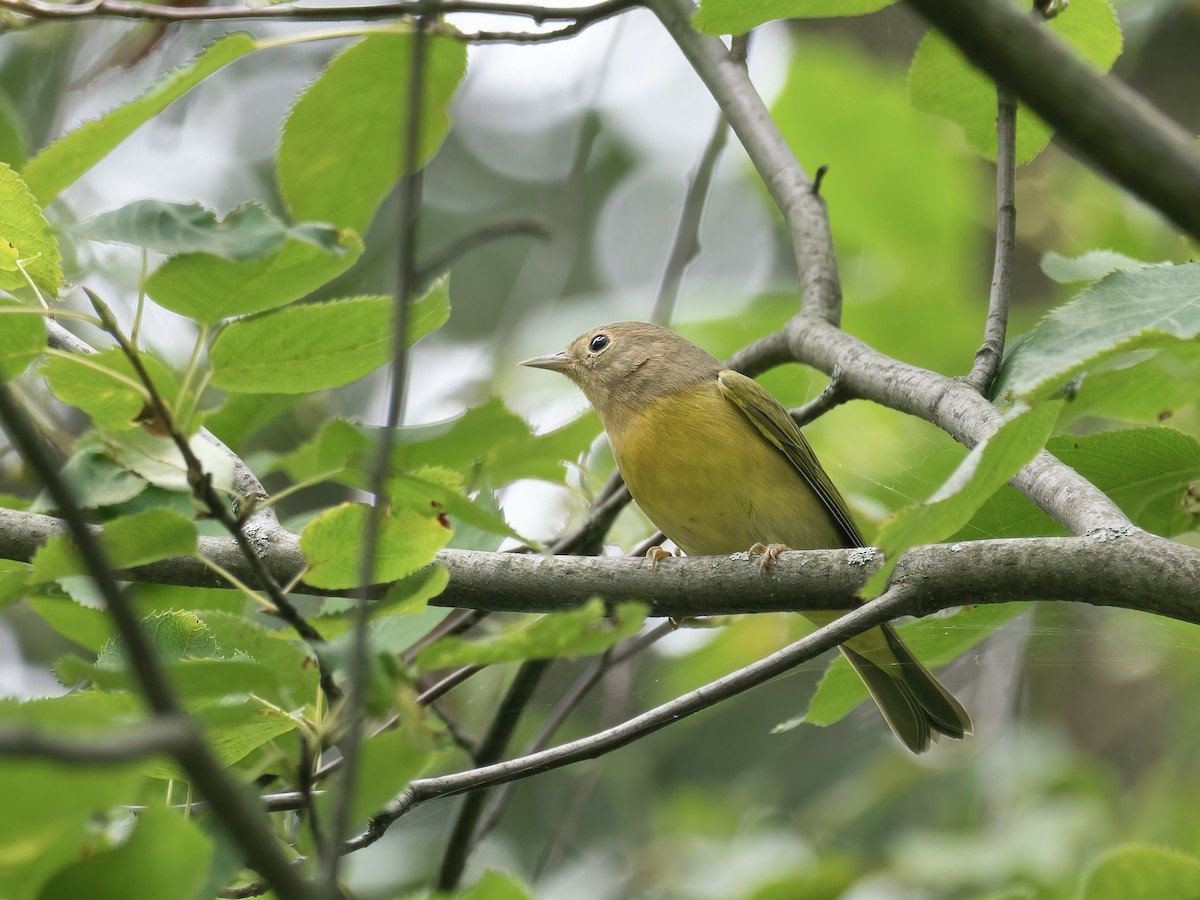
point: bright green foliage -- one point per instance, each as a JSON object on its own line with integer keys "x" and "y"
{"x": 25, "y": 235}
{"x": 1125, "y": 311}
{"x": 62, "y": 163}
{"x": 935, "y": 640}
{"x": 248, "y": 232}
{"x": 333, "y": 542}
{"x": 1146, "y": 471}
{"x": 389, "y": 761}
{"x": 48, "y": 807}
{"x": 942, "y": 82}
{"x": 318, "y": 345}
{"x": 1140, "y": 872}
{"x": 980, "y": 475}
{"x": 406, "y": 598}
{"x": 441, "y": 490}
{"x": 106, "y": 386}
{"x": 22, "y": 338}
{"x": 131, "y": 541}
{"x": 1146, "y": 391}
{"x": 891, "y": 212}
{"x": 208, "y": 288}
{"x": 167, "y": 855}
{"x": 341, "y": 145}
{"x": 739, "y": 16}
{"x": 234, "y": 730}
{"x": 580, "y": 632}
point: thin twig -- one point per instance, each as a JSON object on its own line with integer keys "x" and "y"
{"x": 201, "y": 484}
{"x": 448, "y": 255}
{"x": 491, "y": 749}
{"x": 232, "y": 807}
{"x": 898, "y": 600}
{"x": 685, "y": 246}
{"x": 410, "y": 198}
{"x": 566, "y": 705}
{"x": 1103, "y": 119}
{"x": 123, "y": 9}
{"x": 832, "y": 396}
{"x": 991, "y": 352}
{"x": 161, "y": 735}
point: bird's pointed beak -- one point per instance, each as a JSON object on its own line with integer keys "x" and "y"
{"x": 555, "y": 362}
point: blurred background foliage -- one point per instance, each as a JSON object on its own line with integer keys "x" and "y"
{"x": 1086, "y": 734}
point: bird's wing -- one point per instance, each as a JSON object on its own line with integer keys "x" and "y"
{"x": 773, "y": 421}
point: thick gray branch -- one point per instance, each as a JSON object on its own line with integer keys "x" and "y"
{"x": 1110, "y": 567}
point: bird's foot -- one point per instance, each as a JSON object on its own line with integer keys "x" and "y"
{"x": 655, "y": 553}
{"x": 770, "y": 553}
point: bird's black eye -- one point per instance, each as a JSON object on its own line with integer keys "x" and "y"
{"x": 599, "y": 342}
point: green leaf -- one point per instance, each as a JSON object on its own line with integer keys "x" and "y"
{"x": 87, "y": 626}
{"x": 439, "y": 489}
{"x": 22, "y": 338}
{"x": 318, "y": 345}
{"x": 247, "y": 232}
{"x": 175, "y": 635}
{"x": 26, "y": 236}
{"x": 129, "y": 541}
{"x": 1144, "y": 387}
{"x": 167, "y": 855}
{"x": 1141, "y": 872}
{"x": 208, "y": 289}
{"x": 389, "y": 760}
{"x": 338, "y": 157}
{"x": 985, "y": 469}
{"x": 62, "y": 163}
{"x": 406, "y": 599}
{"x": 1146, "y": 471}
{"x": 941, "y": 81}
{"x": 241, "y": 415}
{"x": 50, "y": 808}
{"x": 580, "y": 632}
{"x": 105, "y": 386}
{"x": 333, "y": 543}
{"x": 233, "y": 731}
{"x": 936, "y": 641}
{"x": 1125, "y": 311}
{"x": 94, "y": 481}
{"x": 739, "y": 16}
{"x": 1091, "y": 266}
{"x": 494, "y": 441}
{"x": 295, "y": 669}
{"x": 329, "y": 454}
{"x": 158, "y": 460}
{"x": 14, "y": 581}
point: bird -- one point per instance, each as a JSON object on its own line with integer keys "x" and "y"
{"x": 720, "y": 467}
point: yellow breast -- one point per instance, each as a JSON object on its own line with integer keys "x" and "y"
{"x": 705, "y": 475}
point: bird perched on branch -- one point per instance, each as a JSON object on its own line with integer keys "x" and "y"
{"x": 719, "y": 466}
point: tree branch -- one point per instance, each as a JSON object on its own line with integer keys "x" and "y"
{"x": 991, "y": 352}
{"x": 1110, "y": 125}
{"x": 161, "y": 735}
{"x": 789, "y": 185}
{"x": 1109, "y": 567}
{"x": 123, "y": 9}
{"x": 244, "y": 822}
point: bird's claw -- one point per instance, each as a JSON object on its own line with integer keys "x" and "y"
{"x": 770, "y": 553}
